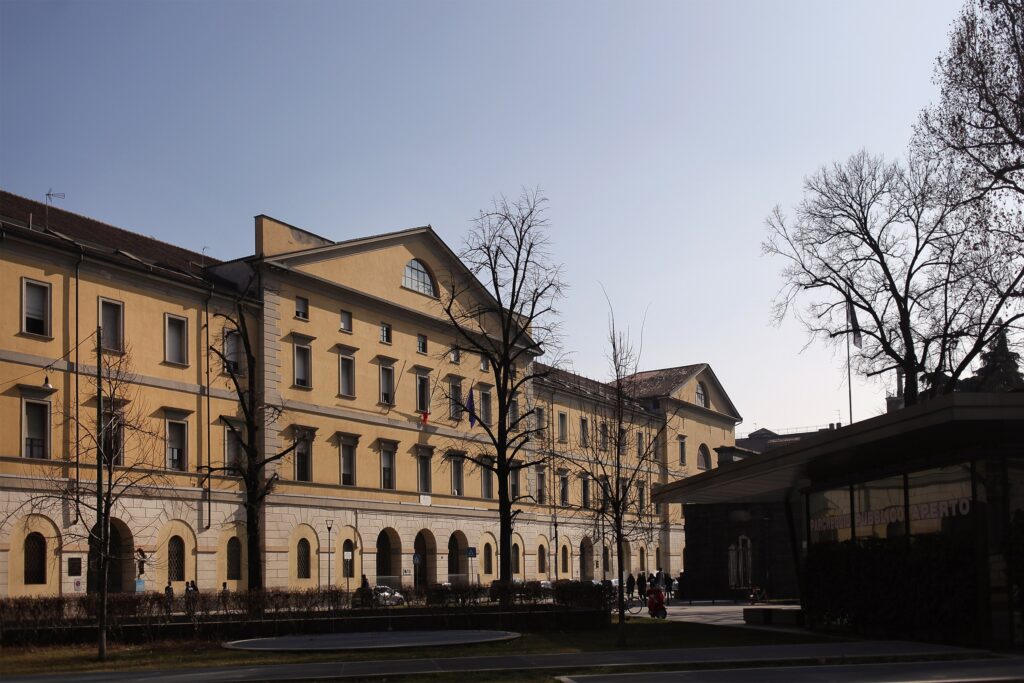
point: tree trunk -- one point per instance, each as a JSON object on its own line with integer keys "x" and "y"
{"x": 620, "y": 594}
{"x": 505, "y": 540}
{"x": 254, "y": 568}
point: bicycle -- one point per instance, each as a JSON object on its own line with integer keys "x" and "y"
{"x": 635, "y": 604}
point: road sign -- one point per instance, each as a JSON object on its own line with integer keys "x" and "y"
{"x": 140, "y": 585}
{"x": 471, "y": 552}
{"x": 416, "y": 558}
{"x": 347, "y": 554}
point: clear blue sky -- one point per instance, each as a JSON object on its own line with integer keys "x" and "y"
{"x": 662, "y": 132}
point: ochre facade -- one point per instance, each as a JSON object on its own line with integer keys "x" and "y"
{"x": 349, "y": 346}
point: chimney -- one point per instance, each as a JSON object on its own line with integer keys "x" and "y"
{"x": 899, "y": 382}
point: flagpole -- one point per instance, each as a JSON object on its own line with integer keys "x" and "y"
{"x": 849, "y": 377}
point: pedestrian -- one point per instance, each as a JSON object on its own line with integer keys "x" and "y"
{"x": 630, "y": 586}
{"x": 224, "y": 594}
{"x": 168, "y": 598}
{"x": 190, "y": 598}
{"x": 364, "y": 583}
{"x": 641, "y": 585}
{"x": 659, "y": 578}
{"x": 668, "y": 589}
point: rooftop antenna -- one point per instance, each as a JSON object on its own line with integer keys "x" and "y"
{"x": 50, "y": 196}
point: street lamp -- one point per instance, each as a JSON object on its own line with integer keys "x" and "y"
{"x": 330, "y": 523}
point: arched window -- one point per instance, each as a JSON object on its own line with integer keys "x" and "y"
{"x": 417, "y": 278}
{"x": 488, "y": 559}
{"x": 542, "y": 559}
{"x": 234, "y": 559}
{"x": 302, "y": 559}
{"x": 348, "y": 555}
{"x": 565, "y": 559}
{"x": 657, "y": 558}
{"x": 176, "y": 559}
{"x": 605, "y": 558}
{"x": 703, "y": 458}
{"x": 35, "y": 558}
{"x": 702, "y": 395}
{"x": 515, "y": 558}
{"x": 643, "y": 560}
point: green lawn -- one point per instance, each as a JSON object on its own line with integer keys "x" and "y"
{"x": 641, "y": 633}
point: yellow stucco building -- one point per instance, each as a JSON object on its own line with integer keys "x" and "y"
{"x": 360, "y": 362}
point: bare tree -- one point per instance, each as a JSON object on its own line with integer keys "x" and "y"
{"x": 894, "y": 254}
{"x": 118, "y": 436}
{"x": 978, "y": 123}
{"x": 238, "y": 359}
{"x": 507, "y": 315}
{"x": 620, "y": 458}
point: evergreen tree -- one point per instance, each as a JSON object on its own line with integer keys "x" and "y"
{"x": 1000, "y": 369}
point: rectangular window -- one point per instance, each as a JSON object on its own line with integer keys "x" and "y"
{"x": 385, "y": 333}
{"x": 421, "y": 343}
{"x": 486, "y": 479}
{"x": 623, "y": 436}
{"x": 346, "y": 374}
{"x": 604, "y": 436}
{"x": 513, "y": 480}
{"x": 233, "y": 451}
{"x": 423, "y": 471}
{"x": 423, "y": 393}
{"x": 387, "y": 384}
{"x": 878, "y": 508}
{"x": 485, "y": 406}
{"x": 682, "y": 450}
{"x": 641, "y": 498}
{"x": 177, "y": 445}
{"x": 112, "y": 320}
{"x": 387, "y": 466}
{"x": 584, "y": 432}
{"x": 563, "y": 427}
{"x": 542, "y": 497}
{"x": 563, "y": 488}
{"x": 303, "y": 366}
{"x": 348, "y": 461}
{"x": 37, "y": 429}
{"x": 605, "y": 492}
{"x": 175, "y": 340}
{"x": 485, "y": 365}
{"x": 113, "y": 437}
{"x": 455, "y": 399}
{"x": 830, "y": 515}
{"x": 639, "y": 444}
{"x": 234, "y": 353}
{"x": 36, "y": 307}
{"x": 585, "y": 497}
{"x": 541, "y": 423}
{"x": 623, "y": 494}
{"x": 302, "y": 308}
{"x": 456, "y": 355}
{"x": 940, "y": 501}
{"x": 513, "y": 414}
{"x": 457, "y": 475}
{"x": 304, "y": 458}
{"x": 345, "y": 322}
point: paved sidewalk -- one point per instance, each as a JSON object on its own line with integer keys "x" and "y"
{"x": 737, "y": 656}
{"x": 959, "y": 671}
{"x": 370, "y": 640}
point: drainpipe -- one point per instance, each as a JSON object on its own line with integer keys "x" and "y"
{"x": 78, "y": 421}
{"x": 209, "y": 461}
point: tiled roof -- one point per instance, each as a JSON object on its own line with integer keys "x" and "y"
{"x": 563, "y": 379}
{"x": 653, "y": 383}
{"x": 117, "y": 243}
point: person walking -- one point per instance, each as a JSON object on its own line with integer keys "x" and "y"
{"x": 641, "y": 585}
{"x": 630, "y": 586}
{"x": 224, "y": 596}
{"x": 168, "y": 599}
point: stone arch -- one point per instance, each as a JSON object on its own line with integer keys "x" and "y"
{"x": 307, "y": 533}
{"x": 586, "y": 559}
{"x": 458, "y": 560}
{"x": 485, "y": 577}
{"x": 542, "y": 559}
{"x": 424, "y": 559}
{"x": 232, "y": 531}
{"x": 181, "y": 529}
{"x": 350, "y": 572}
{"x": 388, "y": 566}
{"x": 43, "y": 527}
{"x": 518, "y": 549}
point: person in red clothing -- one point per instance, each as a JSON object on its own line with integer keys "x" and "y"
{"x": 656, "y": 602}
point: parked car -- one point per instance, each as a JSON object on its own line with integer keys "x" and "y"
{"x": 387, "y": 596}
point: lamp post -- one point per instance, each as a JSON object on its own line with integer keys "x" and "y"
{"x": 330, "y": 523}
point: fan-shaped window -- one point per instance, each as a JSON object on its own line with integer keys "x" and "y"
{"x": 234, "y": 559}
{"x": 417, "y": 278}
{"x": 176, "y": 559}
{"x": 35, "y": 558}
{"x": 542, "y": 559}
{"x": 702, "y": 395}
{"x": 302, "y": 559}
{"x": 488, "y": 559}
{"x": 703, "y": 458}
